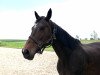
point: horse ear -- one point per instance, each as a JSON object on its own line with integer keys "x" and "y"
{"x": 49, "y": 14}
{"x": 36, "y": 15}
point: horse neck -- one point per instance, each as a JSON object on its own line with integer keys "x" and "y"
{"x": 64, "y": 43}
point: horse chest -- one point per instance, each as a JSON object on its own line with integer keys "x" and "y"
{"x": 63, "y": 68}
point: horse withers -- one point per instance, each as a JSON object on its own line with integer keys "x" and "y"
{"x": 74, "y": 58}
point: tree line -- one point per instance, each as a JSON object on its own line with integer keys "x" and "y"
{"x": 93, "y": 36}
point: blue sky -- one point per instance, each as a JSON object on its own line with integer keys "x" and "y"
{"x": 77, "y": 17}
{"x": 24, "y": 4}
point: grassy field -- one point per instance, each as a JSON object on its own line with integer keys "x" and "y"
{"x": 89, "y": 41}
{"x": 12, "y": 43}
{"x": 20, "y": 43}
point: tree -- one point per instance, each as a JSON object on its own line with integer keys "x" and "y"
{"x": 94, "y": 35}
{"x": 77, "y": 37}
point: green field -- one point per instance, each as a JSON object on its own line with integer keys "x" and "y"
{"x": 12, "y": 43}
{"x": 20, "y": 43}
{"x": 89, "y": 41}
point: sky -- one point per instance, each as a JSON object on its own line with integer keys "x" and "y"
{"x": 77, "y": 17}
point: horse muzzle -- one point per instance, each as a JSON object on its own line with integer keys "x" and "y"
{"x": 27, "y": 55}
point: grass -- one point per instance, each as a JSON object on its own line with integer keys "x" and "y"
{"x": 89, "y": 41}
{"x": 49, "y": 49}
{"x": 20, "y": 43}
{"x": 12, "y": 43}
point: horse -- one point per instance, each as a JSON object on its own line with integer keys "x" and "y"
{"x": 74, "y": 58}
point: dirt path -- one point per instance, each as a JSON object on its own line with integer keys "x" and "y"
{"x": 13, "y": 63}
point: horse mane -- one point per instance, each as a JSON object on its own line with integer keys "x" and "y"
{"x": 64, "y": 38}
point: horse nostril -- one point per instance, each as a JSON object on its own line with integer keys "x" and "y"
{"x": 25, "y": 51}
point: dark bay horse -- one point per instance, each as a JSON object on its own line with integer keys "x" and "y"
{"x": 74, "y": 58}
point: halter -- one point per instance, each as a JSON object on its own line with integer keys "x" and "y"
{"x": 43, "y": 45}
